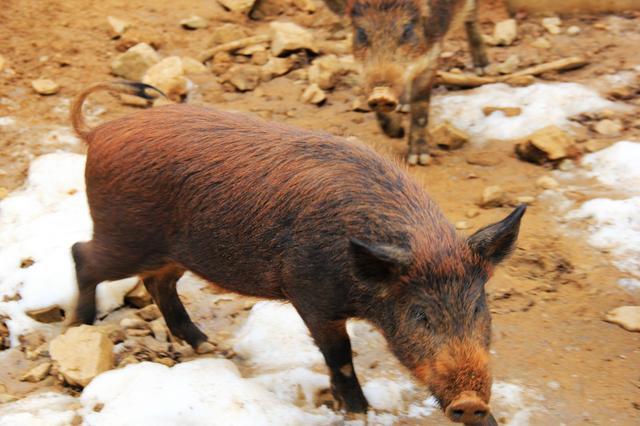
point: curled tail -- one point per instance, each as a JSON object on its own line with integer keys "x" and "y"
{"x": 121, "y": 86}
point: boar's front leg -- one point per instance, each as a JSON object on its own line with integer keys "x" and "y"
{"x": 390, "y": 123}
{"x": 161, "y": 285}
{"x": 474, "y": 37}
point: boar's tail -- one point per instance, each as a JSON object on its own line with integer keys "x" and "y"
{"x": 119, "y": 86}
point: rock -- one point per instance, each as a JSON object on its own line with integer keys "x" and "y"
{"x": 359, "y": 105}
{"x": 149, "y": 313}
{"x": 136, "y": 323}
{"x": 133, "y": 100}
{"x": 493, "y": 196}
{"x": 593, "y": 145}
{"x": 472, "y": 212}
{"x": 541, "y": 43}
{"x": 136, "y": 332}
{"x": 313, "y": 95}
{"x": 138, "y": 296}
{"x": 193, "y": 66}
{"x": 628, "y": 317}
{"x": 483, "y": 158}
{"x": 3, "y": 62}
{"x": 276, "y": 67}
{"x": 6, "y": 398}
{"x": 573, "y": 30}
{"x": 505, "y": 32}
{"x": 228, "y": 32}
{"x": 47, "y": 315}
{"x": 260, "y": 58}
{"x": 462, "y": 225}
{"x": 547, "y": 182}
{"x": 81, "y": 353}
{"x": 552, "y": 25}
{"x": 252, "y": 49}
{"x": 194, "y": 22}
{"x": 448, "y": 137}
{"x": 240, "y": 6}
{"x": 4, "y": 334}
{"x": 159, "y": 330}
{"x": 525, "y": 199}
{"x": 45, "y": 86}
{"x": 608, "y": 127}
{"x": 548, "y": 144}
{"x": 509, "y": 65}
{"x": 566, "y": 165}
{"x": 30, "y": 342}
{"x": 117, "y": 27}
{"x": 37, "y": 373}
{"x": 168, "y": 76}
{"x": 623, "y": 92}
{"x": 305, "y": 5}
{"x": 326, "y": 70}
{"x": 129, "y": 359}
{"x": 288, "y": 37}
{"x": 507, "y": 111}
{"x": 133, "y": 63}
{"x": 244, "y": 77}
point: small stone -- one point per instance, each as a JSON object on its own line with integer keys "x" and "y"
{"x": 37, "y": 373}
{"x": 194, "y": 22}
{"x": 507, "y": 111}
{"x": 288, "y": 37}
{"x": 31, "y": 341}
{"x": 260, "y": 58}
{"x": 168, "y": 76}
{"x": 81, "y": 353}
{"x": 472, "y": 212}
{"x": 138, "y": 323}
{"x": 448, "y": 137}
{"x": 136, "y": 332}
{"x": 525, "y": 199}
{"x": 548, "y": 144}
{"x": 240, "y": 6}
{"x": 573, "y": 30}
{"x": 608, "y": 127}
{"x": 547, "y": 182}
{"x": 117, "y": 27}
{"x": 6, "y": 398}
{"x": 276, "y": 67}
{"x": 47, "y": 315}
{"x": 133, "y": 100}
{"x": 359, "y": 105}
{"x": 566, "y": 165}
{"x": 483, "y": 158}
{"x": 505, "y": 32}
{"x": 628, "y": 317}
{"x": 45, "y": 86}
{"x": 3, "y": 62}
{"x": 326, "y": 70}
{"x": 149, "y": 313}
{"x": 313, "y": 95}
{"x": 128, "y": 360}
{"x": 462, "y": 225}
{"x": 228, "y": 32}
{"x": 244, "y": 77}
{"x": 159, "y": 330}
{"x": 254, "y": 48}
{"x": 133, "y": 63}
{"x": 193, "y": 66}
{"x": 509, "y": 65}
{"x": 541, "y": 43}
{"x": 305, "y": 5}
{"x": 593, "y": 145}
{"x": 493, "y": 196}
{"x": 623, "y": 92}
{"x": 552, "y": 25}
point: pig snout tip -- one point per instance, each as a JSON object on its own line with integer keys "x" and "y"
{"x": 382, "y": 99}
{"x": 469, "y": 409}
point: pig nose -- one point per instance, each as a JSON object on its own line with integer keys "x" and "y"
{"x": 382, "y": 99}
{"x": 467, "y": 408}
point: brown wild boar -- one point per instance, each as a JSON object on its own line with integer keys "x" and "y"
{"x": 399, "y": 43}
{"x": 272, "y": 211}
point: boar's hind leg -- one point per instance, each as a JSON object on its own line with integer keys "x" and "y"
{"x": 333, "y": 341}
{"x": 161, "y": 284}
{"x": 418, "y": 147}
{"x": 474, "y": 36}
{"x": 391, "y": 124}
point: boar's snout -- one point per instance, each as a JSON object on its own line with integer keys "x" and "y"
{"x": 468, "y": 408}
{"x": 382, "y": 99}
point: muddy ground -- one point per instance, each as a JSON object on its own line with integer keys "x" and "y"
{"x": 549, "y": 298}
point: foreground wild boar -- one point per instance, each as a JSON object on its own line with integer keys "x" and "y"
{"x": 273, "y": 211}
{"x": 399, "y": 43}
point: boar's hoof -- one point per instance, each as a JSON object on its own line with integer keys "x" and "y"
{"x": 424, "y": 159}
{"x": 412, "y": 159}
{"x": 468, "y": 408}
{"x": 205, "y": 348}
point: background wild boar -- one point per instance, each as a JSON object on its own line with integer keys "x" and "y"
{"x": 272, "y": 211}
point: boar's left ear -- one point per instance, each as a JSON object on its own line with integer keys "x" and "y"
{"x": 497, "y": 241}
{"x": 378, "y": 262}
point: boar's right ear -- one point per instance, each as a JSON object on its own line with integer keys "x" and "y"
{"x": 379, "y": 262}
{"x": 497, "y": 241}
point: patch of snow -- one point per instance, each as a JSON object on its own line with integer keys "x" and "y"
{"x": 509, "y": 399}
{"x": 7, "y": 121}
{"x": 629, "y": 283}
{"x": 295, "y": 385}
{"x": 206, "y": 391}
{"x": 425, "y": 408}
{"x": 387, "y": 395}
{"x": 617, "y": 166}
{"x": 40, "y": 223}
{"x": 44, "y": 409}
{"x": 542, "y": 104}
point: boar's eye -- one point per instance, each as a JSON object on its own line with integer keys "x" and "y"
{"x": 419, "y": 314}
{"x": 361, "y": 36}
{"x": 408, "y": 33}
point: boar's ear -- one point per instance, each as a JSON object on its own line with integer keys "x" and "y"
{"x": 338, "y": 7}
{"x": 378, "y": 262}
{"x": 497, "y": 241}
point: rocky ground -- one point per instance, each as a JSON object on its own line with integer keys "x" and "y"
{"x": 549, "y": 301}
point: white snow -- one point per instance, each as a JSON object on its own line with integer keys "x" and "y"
{"x": 7, "y": 121}
{"x": 40, "y": 223}
{"x": 206, "y": 391}
{"x": 542, "y": 104}
{"x": 387, "y": 395}
{"x": 44, "y": 409}
{"x": 617, "y": 166}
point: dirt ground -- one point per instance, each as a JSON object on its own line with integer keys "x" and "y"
{"x": 548, "y": 300}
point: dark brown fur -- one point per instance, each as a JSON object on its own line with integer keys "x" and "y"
{"x": 272, "y": 211}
